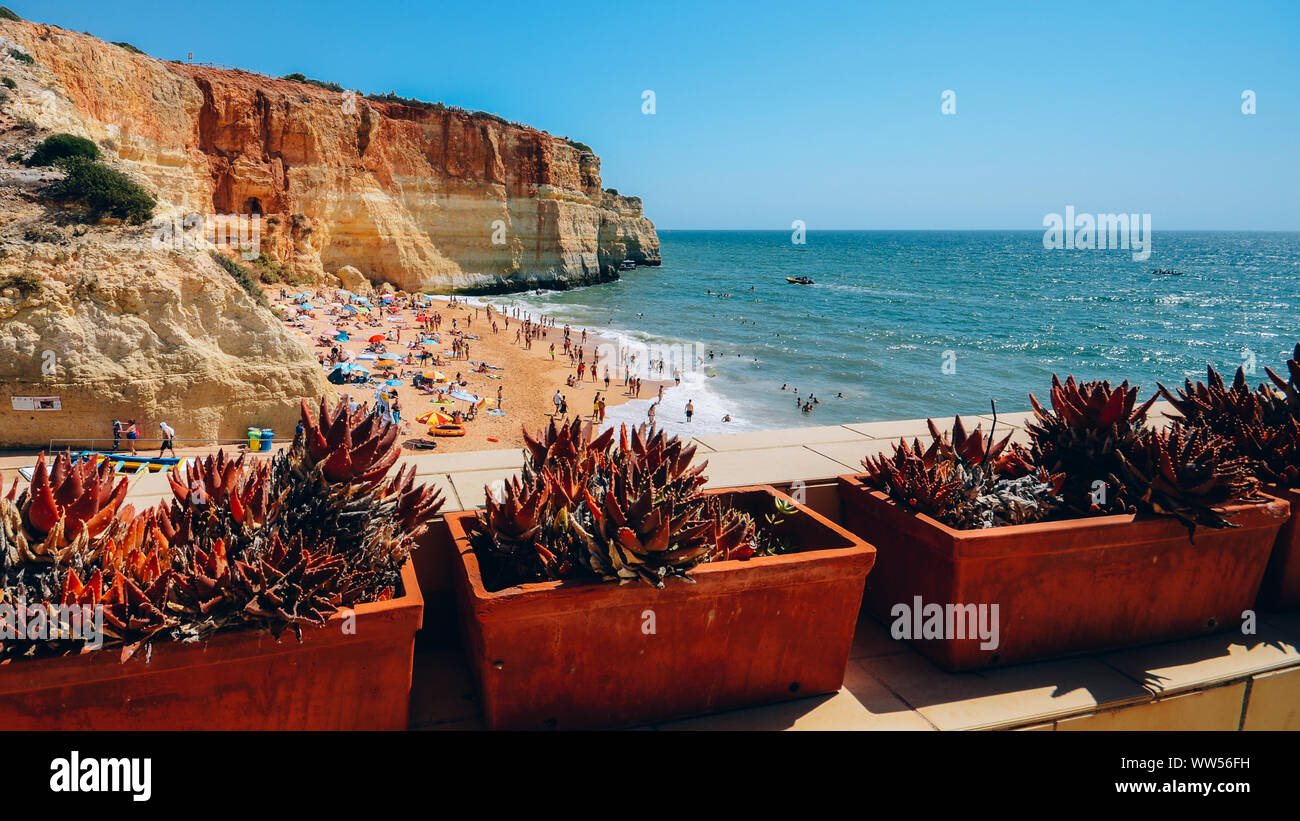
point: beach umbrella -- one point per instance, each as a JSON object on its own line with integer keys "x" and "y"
{"x": 342, "y": 336}
{"x": 377, "y": 338}
{"x": 351, "y": 308}
{"x": 363, "y": 309}
{"x": 387, "y": 363}
{"x": 394, "y": 383}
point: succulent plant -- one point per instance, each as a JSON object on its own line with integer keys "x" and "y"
{"x": 1260, "y": 425}
{"x": 1082, "y": 437}
{"x": 922, "y": 480}
{"x": 1290, "y": 387}
{"x": 967, "y": 480}
{"x": 530, "y": 532}
{"x": 646, "y": 510}
{"x": 580, "y": 510}
{"x": 274, "y": 544}
{"x": 974, "y": 448}
{"x": 1186, "y": 473}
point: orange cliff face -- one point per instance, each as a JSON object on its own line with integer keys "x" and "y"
{"x": 422, "y": 197}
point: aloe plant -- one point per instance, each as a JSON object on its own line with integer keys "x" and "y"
{"x": 966, "y": 480}
{"x": 1083, "y": 437}
{"x": 583, "y": 508}
{"x": 1262, "y": 425}
{"x": 273, "y": 544}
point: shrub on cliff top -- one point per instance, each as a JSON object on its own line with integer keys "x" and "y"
{"x": 128, "y": 47}
{"x": 583, "y": 147}
{"x": 101, "y": 191}
{"x": 246, "y": 279}
{"x": 21, "y": 56}
{"x": 392, "y": 97}
{"x": 62, "y": 146}
{"x": 299, "y": 77}
{"x": 7, "y": 13}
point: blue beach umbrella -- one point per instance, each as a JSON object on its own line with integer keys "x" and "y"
{"x": 394, "y": 383}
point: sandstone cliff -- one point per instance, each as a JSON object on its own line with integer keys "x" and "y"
{"x": 118, "y": 330}
{"x": 118, "y": 326}
{"x": 425, "y": 198}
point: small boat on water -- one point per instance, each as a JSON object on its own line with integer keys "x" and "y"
{"x": 799, "y": 280}
{"x": 1167, "y": 272}
{"x": 627, "y": 265}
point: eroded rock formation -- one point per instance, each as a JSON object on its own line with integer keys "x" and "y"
{"x": 424, "y": 197}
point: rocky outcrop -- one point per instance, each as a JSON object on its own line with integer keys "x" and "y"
{"x": 423, "y": 197}
{"x": 625, "y": 233}
{"x": 350, "y": 279}
{"x": 119, "y": 331}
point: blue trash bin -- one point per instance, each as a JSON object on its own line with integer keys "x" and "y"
{"x": 267, "y": 436}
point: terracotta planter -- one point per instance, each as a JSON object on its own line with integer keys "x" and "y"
{"x": 1281, "y": 587}
{"x": 243, "y": 680}
{"x": 1061, "y": 587}
{"x": 581, "y": 655}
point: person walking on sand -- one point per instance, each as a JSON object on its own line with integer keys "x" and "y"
{"x": 601, "y": 409}
{"x": 564, "y": 407}
{"x": 169, "y": 436}
{"x": 690, "y": 410}
{"x": 117, "y": 435}
{"x": 132, "y": 433}
{"x": 650, "y": 414}
{"x": 558, "y": 400}
{"x": 499, "y": 396}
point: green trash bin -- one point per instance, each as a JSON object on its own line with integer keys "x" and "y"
{"x": 267, "y": 436}
{"x": 254, "y": 434}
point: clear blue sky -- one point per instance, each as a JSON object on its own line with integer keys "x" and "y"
{"x": 824, "y": 112}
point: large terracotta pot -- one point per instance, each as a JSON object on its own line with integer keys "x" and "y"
{"x": 241, "y": 680}
{"x": 1060, "y": 587}
{"x": 600, "y": 654}
{"x": 1281, "y": 587}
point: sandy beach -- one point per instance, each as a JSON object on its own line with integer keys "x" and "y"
{"x": 526, "y": 378}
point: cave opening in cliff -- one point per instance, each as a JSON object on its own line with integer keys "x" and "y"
{"x": 253, "y": 205}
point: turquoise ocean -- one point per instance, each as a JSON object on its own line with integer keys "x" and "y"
{"x": 907, "y": 324}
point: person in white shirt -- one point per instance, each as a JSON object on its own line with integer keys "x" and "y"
{"x": 169, "y": 435}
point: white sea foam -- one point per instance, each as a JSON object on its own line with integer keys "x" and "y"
{"x": 710, "y": 407}
{"x": 709, "y": 403}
